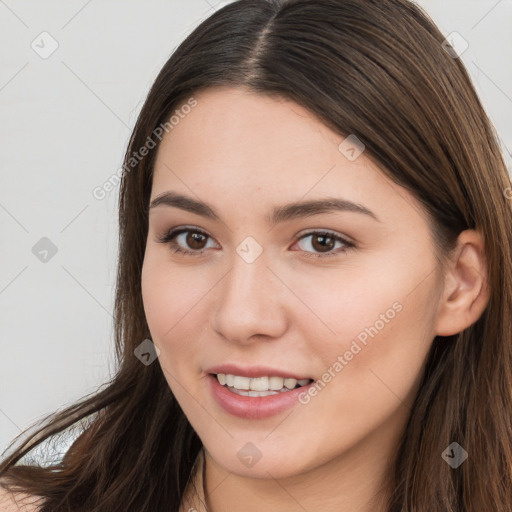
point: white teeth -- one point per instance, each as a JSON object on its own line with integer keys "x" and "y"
{"x": 290, "y": 383}
{"x": 275, "y": 383}
{"x": 259, "y": 384}
{"x": 253, "y": 393}
{"x": 241, "y": 382}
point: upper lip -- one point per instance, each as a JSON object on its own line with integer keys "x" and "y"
{"x": 253, "y": 371}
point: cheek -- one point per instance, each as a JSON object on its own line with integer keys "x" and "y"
{"x": 346, "y": 305}
{"x": 377, "y": 324}
{"x": 159, "y": 295}
{"x": 161, "y": 300}
{"x": 154, "y": 295}
{"x": 173, "y": 302}
{"x": 381, "y": 364}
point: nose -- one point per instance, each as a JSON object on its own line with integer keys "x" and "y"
{"x": 251, "y": 302}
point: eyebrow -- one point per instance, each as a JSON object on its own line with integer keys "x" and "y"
{"x": 278, "y": 214}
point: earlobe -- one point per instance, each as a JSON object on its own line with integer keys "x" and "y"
{"x": 466, "y": 292}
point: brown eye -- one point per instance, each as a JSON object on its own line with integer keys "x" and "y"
{"x": 324, "y": 243}
{"x": 195, "y": 240}
{"x": 186, "y": 241}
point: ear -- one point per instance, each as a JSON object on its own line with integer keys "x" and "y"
{"x": 466, "y": 291}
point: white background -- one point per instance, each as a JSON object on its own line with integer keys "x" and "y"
{"x": 65, "y": 124}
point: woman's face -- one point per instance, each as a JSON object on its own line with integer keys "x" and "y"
{"x": 356, "y": 314}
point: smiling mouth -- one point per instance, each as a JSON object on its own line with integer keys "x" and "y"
{"x": 259, "y": 386}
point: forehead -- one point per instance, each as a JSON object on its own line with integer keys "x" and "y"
{"x": 246, "y": 149}
{"x": 238, "y": 107}
{"x": 235, "y": 131}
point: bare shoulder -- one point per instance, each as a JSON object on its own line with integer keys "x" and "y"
{"x": 19, "y": 502}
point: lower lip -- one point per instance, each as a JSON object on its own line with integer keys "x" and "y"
{"x": 257, "y": 407}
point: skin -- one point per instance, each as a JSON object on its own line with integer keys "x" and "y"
{"x": 19, "y": 502}
{"x": 243, "y": 154}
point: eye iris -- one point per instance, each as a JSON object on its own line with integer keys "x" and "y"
{"x": 193, "y": 238}
{"x": 321, "y": 242}
{"x": 323, "y": 246}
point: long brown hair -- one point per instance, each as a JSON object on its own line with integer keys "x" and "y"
{"x": 376, "y": 69}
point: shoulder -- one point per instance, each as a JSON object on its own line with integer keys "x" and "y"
{"x": 19, "y": 502}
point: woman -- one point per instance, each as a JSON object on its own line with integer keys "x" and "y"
{"x": 314, "y": 294}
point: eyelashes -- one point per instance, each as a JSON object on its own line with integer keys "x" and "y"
{"x": 170, "y": 239}
{"x": 325, "y": 236}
